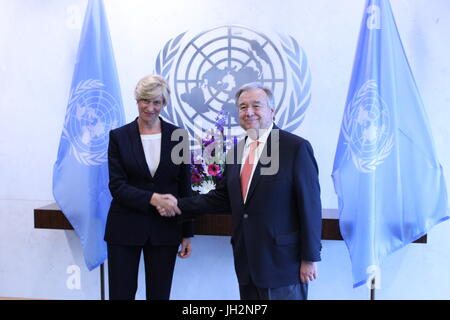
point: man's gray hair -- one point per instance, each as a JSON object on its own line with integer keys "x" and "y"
{"x": 253, "y": 86}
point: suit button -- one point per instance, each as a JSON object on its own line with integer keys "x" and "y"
{"x": 245, "y": 216}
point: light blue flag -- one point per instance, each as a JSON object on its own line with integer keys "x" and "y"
{"x": 390, "y": 185}
{"x": 80, "y": 174}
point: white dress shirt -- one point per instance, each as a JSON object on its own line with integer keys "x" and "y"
{"x": 152, "y": 150}
{"x": 262, "y": 140}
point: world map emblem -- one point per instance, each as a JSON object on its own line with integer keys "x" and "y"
{"x": 206, "y": 71}
{"x": 367, "y": 128}
{"x": 92, "y": 113}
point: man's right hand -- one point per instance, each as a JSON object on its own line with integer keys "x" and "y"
{"x": 166, "y": 204}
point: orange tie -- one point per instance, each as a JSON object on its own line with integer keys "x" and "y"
{"x": 248, "y": 167}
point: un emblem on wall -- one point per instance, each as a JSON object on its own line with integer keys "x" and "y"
{"x": 206, "y": 71}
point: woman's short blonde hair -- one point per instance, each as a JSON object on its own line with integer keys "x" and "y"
{"x": 152, "y": 86}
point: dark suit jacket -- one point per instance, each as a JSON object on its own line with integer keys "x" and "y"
{"x": 280, "y": 223}
{"x": 132, "y": 220}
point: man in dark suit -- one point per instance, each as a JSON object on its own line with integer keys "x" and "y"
{"x": 274, "y": 199}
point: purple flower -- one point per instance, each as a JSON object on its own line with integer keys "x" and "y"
{"x": 199, "y": 168}
{"x": 221, "y": 120}
{"x": 195, "y": 170}
{"x": 207, "y": 142}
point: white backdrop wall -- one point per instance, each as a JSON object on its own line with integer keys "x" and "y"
{"x": 39, "y": 41}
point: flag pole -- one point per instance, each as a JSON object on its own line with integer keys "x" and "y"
{"x": 102, "y": 281}
{"x": 372, "y": 290}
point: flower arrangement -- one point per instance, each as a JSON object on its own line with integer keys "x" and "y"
{"x": 208, "y": 162}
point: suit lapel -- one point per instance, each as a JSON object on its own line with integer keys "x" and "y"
{"x": 164, "y": 158}
{"x": 138, "y": 150}
{"x": 234, "y": 173}
{"x": 257, "y": 173}
{"x": 255, "y": 179}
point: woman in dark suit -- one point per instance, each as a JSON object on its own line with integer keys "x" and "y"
{"x": 142, "y": 174}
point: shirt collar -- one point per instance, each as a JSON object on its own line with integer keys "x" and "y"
{"x": 262, "y": 139}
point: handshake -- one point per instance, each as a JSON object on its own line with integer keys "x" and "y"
{"x": 166, "y": 204}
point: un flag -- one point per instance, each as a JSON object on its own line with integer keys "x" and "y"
{"x": 390, "y": 185}
{"x": 80, "y": 174}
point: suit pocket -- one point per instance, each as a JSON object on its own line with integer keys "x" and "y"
{"x": 289, "y": 238}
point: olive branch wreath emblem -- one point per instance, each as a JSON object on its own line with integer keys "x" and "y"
{"x": 294, "y": 114}
{"x": 300, "y": 97}
{"x": 163, "y": 65}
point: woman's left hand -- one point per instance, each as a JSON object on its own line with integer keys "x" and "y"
{"x": 186, "y": 248}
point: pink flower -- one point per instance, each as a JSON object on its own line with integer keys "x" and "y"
{"x": 213, "y": 169}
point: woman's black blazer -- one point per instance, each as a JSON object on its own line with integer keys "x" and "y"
{"x": 132, "y": 220}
